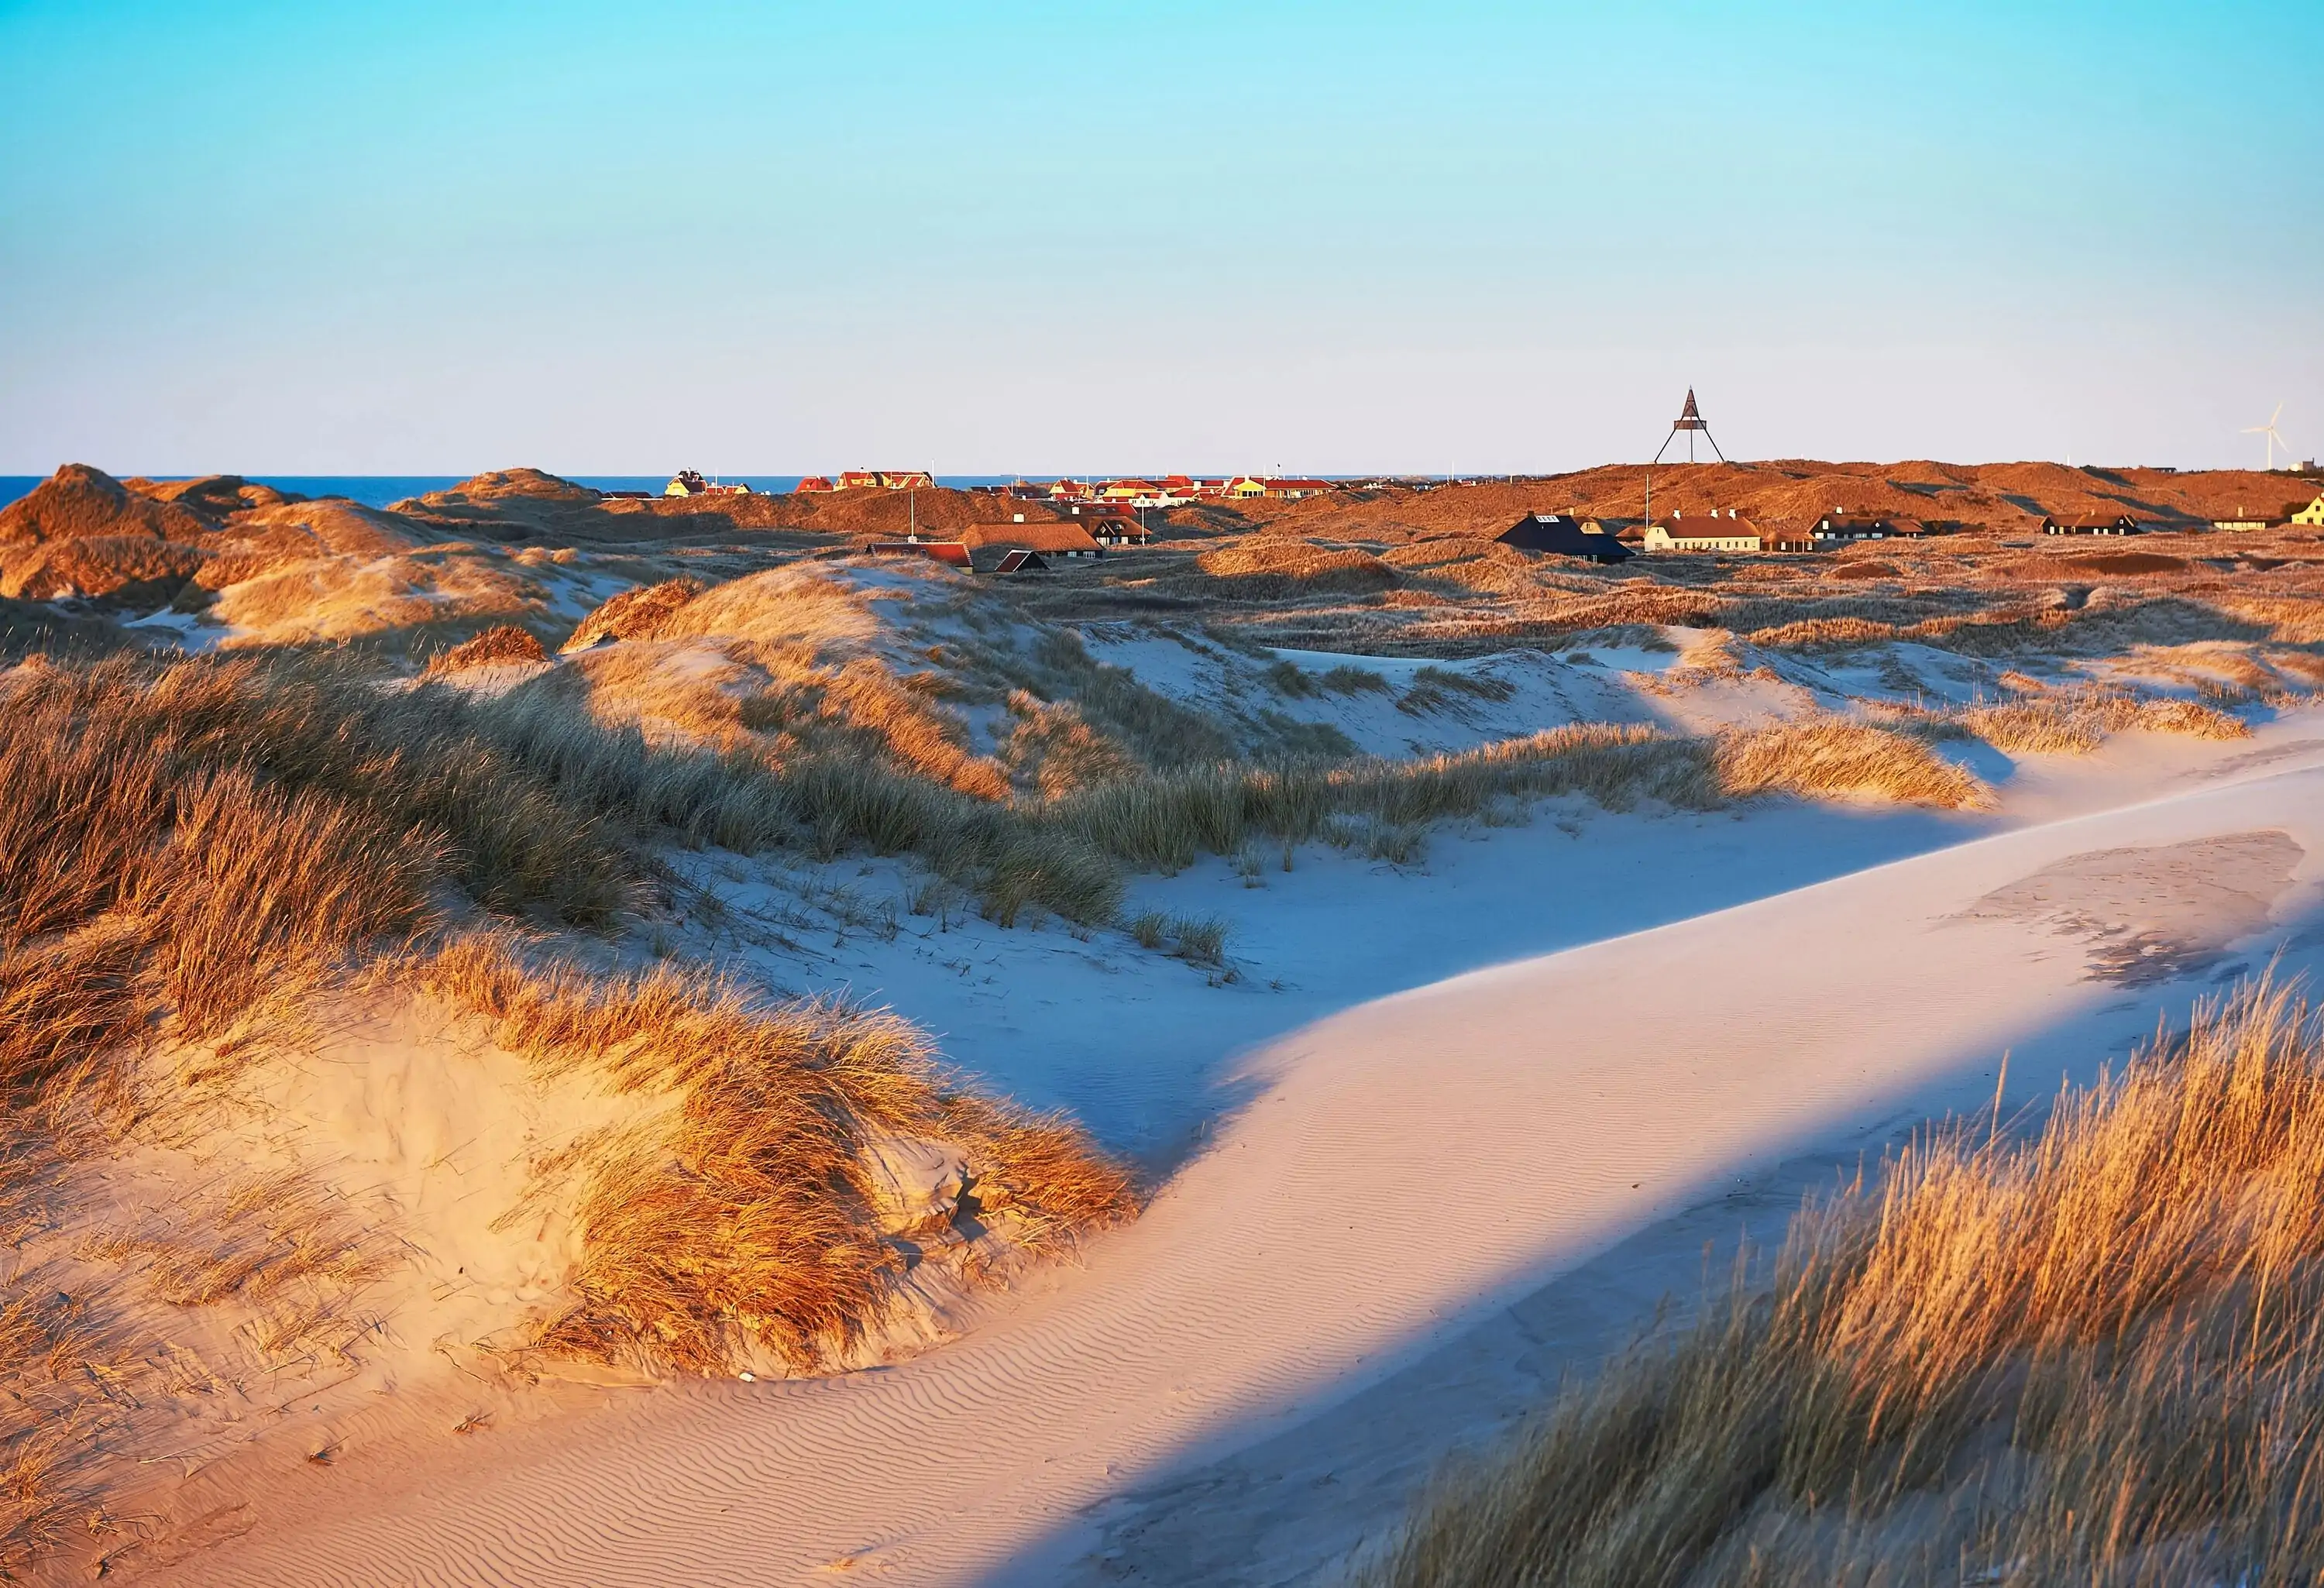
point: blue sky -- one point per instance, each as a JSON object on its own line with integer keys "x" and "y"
{"x": 418, "y": 237}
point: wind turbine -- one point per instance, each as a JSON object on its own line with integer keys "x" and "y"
{"x": 2273, "y": 440}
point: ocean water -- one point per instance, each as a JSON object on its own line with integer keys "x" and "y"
{"x": 379, "y": 490}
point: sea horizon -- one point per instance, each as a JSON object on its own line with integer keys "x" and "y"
{"x": 381, "y": 490}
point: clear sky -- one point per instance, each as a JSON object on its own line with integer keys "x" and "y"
{"x": 403, "y": 237}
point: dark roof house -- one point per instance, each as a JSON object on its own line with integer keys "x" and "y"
{"x": 2093, "y": 523}
{"x": 1836, "y": 525}
{"x": 1560, "y": 534}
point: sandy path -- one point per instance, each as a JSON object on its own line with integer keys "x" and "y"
{"x": 1407, "y": 1166}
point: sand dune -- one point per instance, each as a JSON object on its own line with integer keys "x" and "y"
{"x": 1404, "y": 1169}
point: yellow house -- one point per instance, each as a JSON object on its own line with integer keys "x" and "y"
{"x": 1715, "y": 534}
{"x": 2313, "y": 515}
{"x": 1246, "y": 487}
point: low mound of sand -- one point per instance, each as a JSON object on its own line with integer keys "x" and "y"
{"x": 216, "y": 497}
{"x": 501, "y": 645}
{"x": 2154, "y": 914}
{"x": 393, "y": 601}
{"x": 2122, "y": 562}
{"x": 134, "y": 569}
{"x": 499, "y": 485}
{"x": 1443, "y": 550}
{"x": 1300, "y": 568}
{"x": 634, "y": 614}
{"x": 332, "y": 527}
{"x": 83, "y": 533}
{"x": 783, "y": 605}
{"x": 81, "y": 502}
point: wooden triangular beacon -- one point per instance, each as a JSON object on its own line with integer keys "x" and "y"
{"x": 1690, "y": 420}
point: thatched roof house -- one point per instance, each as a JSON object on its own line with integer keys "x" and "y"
{"x": 1050, "y": 540}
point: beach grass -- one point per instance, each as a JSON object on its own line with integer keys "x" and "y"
{"x": 2092, "y": 1354}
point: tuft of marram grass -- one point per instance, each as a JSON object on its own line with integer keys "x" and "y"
{"x": 740, "y": 1223}
{"x": 1196, "y": 939}
{"x": 1824, "y": 757}
{"x": 2074, "y": 722}
{"x": 1437, "y": 689}
{"x": 2095, "y": 1357}
{"x": 142, "y": 883}
{"x": 637, "y": 613}
{"x": 503, "y": 645}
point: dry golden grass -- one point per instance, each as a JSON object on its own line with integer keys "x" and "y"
{"x": 504, "y": 645}
{"x": 139, "y": 884}
{"x": 1054, "y": 749}
{"x": 795, "y": 606}
{"x": 1441, "y": 690}
{"x": 1824, "y": 756}
{"x": 395, "y": 604}
{"x": 1267, "y": 568}
{"x": 1162, "y": 733}
{"x": 1163, "y": 821}
{"x": 2070, "y": 719}
{"x": 2092, "y": 1357}
{"x": 861, "y": 706}
{"x": 779, "y": 705}
{"x": 774, "y": 666}
{"x": 637, "y": 613}
{"x": 2075, "y": 721}
{"x": 741, "y": 1222}
{"x": 524, "y": 826}
{"x": 43, "y": 570}
{"x": 59, "y": 1349}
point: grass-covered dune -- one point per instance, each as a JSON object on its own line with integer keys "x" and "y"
{"x": 206, "y": 863}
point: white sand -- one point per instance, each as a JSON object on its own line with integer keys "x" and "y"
{"x": 1404, "y": 1170}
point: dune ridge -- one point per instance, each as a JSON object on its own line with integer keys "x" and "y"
{"x": 1255, "y": 1284}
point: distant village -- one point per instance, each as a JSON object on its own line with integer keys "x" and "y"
{"x": 1104, "y": 514}
{"x": 1111, "y": 512}
{"x": 1172, "y": 491}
